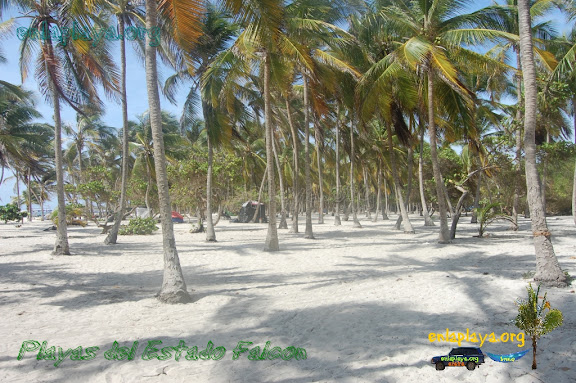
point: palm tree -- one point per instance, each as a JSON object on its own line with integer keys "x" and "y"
{"x": 430, "y": 42}
{"x": 70, "y": 72}
{"x": 186, "y": 29}
{"x": 127, "y": 13}
{"x": 217, "y": 32}
{"x": 547, "y": 268}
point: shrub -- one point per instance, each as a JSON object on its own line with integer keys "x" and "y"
{"x": 532, "y": 320}
{"x": 10, "y": 212}
{"x": 73, "y": 210}
{"x": 488, "y": 214}
{"x": 139, "y": 226}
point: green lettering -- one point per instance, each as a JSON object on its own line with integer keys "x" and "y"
{"x": 27, "y": 346}
{"x": 301, "y": 354}
{"x": 274, "y": 353}
{"x": 63, "y": 355}
{"x": 288, "y": 353}
{"x": 254, "y": 353}
{"x": 166, "y": 353}
{"x": 150, "y": 350}
{"x": 192, "y": 353}
{"x": 240, "y": 349}
{"x": 181, "y": 346}
{"x": 91, "y": 353}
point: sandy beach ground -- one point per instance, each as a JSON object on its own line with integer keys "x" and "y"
{"x": 361, "y": 302}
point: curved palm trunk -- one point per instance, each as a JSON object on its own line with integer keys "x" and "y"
{"x": 444, "y": 236}
{"x": 210, "y": 233}
{"x": 295, "y": 173}
{"x": 271, "y": 243}
{"x": 113, "y": 233}
{"x": 173, "y": 285}
{"x": 337, "y": 221}
{"x": 547, "y": 268}
{"x": 352, "y": 204}
{"x": 308, "y": 234}
{"x": 397, "y": 188}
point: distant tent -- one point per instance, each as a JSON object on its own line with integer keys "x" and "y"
{"x": 177, "y": 217}
{"x": 247, "y": 212}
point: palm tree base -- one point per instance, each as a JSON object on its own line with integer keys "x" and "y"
{"x": 211, "y": 240}
{"x": 174, "y": 297}
{"x": 337, "y": 221}
{"x": 61, "y": 250}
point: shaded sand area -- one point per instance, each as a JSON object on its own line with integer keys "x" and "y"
{"x": 361, "y": 302}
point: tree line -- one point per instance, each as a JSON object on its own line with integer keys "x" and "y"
{"x": 345, "y": 106}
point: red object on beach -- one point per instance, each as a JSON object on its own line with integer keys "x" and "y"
{"x": 175, "y": 214}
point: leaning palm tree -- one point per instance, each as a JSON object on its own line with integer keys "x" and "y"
{"x": 69, "y": 72}
{"x": 547, "y": 268}
{"x": 185, "y": 28}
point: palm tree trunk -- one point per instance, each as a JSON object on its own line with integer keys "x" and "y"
{"x": 173, "y": 285}
{"x": 112, "y": 236}
{"x": 352, "y": 203}
{"x": 271, "y": 243}
{"x": 295, "y": 173}
{"x": 61, "y": 247}
{"x": 379, "y": 193}
{"x": 547, "y": 268}
{"x": 574, "y": 185}
{"x": 210, "y": 233}
{"x": 283, "y": 224}
{"x": 403, "y": 213}
{"x": 147, "y": 195}
{"x": 518, "y": 154}
{"x": 367, "y": 193}
{"x": 308, "y": 234}
{"x": 444, "y": 236}
{"x": 337, "y": 221}
{"x": 256, "y": 217}
{"x": 477, "y": 200}
{"x": 427, "y": 220}
{"x": 385, "y": 208}
{"x": 320, "y": 178}
{"x": 29, "y": 196}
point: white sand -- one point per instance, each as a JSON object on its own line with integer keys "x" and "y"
{"x": 361, "y": 302}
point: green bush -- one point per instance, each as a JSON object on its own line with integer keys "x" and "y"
{"x": 534, "y": 321}
{"x": 10, "y": 212}
{"x": 139, "y": 226}
{"x": 73, "y": 212}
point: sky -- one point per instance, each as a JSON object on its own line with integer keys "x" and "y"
{"x": 135, "y": 85}
{"x": 136, "y": 88}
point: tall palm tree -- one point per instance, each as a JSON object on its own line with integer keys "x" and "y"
{"x": 186, "y": 28}
{"x": 217, "y": 32}
{"x": 127, "y": 13}
{"x": 69, "y": 72}
{"x": 431, "y": 43}
{"x": 547, "y": 268}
